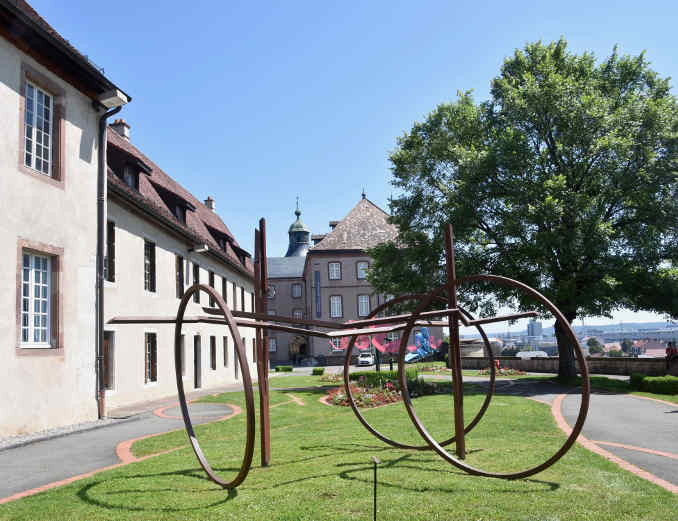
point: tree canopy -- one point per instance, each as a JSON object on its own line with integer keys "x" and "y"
{"x": 565, "y": 179}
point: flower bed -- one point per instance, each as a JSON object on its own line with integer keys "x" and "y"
{"x": 502, "y": 371}
{"x": 363, "y": 396}
{"x": 367, "y": 396}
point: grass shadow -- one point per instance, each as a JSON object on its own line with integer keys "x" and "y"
{"x": 85, "y": 492}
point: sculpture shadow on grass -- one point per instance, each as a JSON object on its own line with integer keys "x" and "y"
{"x": 87, "y": 495}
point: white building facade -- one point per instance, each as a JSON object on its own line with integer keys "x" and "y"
{"x": 151, "y": 260}
{"x": 48, "y": 176}
{"x": 160, "y": 239}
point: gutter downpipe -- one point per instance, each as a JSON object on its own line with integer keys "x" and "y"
{"x": 99, "y": 307}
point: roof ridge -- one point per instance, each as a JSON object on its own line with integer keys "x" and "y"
{"x": 360, "y": 229}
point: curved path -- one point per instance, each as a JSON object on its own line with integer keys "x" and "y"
{"x": 32, "y": 468}
{"x": 639, "y": 434}
{"x": 642, "y": 433}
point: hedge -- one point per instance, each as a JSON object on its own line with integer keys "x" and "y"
{"x": 660, "y": 384}
{"x": 283, "y": 368}
{"x": 636, "y": 380}
{"x": 318, "y": 371}
{"x": 376, "y": 379}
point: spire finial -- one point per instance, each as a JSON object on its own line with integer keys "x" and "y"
{"x": 364, "y": 195}
{"x": 297, "y": 212}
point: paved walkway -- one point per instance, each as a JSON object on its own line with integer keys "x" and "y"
{"x": 60, "y": 457}
{"x": 641, "y": 432}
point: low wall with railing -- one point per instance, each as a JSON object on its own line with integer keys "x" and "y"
{"x": 597, "y": 365}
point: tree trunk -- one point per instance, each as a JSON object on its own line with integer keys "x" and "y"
{"x": 567, "y": 369}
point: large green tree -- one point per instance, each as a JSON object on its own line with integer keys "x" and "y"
{"x": 565, "y": 179}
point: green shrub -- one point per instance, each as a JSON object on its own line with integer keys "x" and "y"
{"x": 660, "y": 384}
{"x": 283, "y": 368}
{"x": 318, "y": 371}
{"x": 379, "y": 379}
{"x": 636, "y": 381}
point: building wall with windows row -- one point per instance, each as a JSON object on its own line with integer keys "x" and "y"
{"x": 139, "y": 358}
{"x": 51, "y": 99}
{"x": 48, "y": 175}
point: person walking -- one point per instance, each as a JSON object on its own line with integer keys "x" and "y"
{"x": 671, "y": 351}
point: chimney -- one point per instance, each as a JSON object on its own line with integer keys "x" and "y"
{"x": 209, "y": 202}
{"x": 121, "y": 127}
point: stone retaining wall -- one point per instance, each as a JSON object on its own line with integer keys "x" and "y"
{"x": 597, "y": 365}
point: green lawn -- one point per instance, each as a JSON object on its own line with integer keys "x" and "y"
{"x": 321, "y": 470}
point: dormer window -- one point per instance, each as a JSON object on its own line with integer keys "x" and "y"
{"x": 130, "y": 177}
{"x": 180, "y": 213}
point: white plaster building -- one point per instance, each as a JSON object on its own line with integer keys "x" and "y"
{"x": 48, "y": 187}
{"x": 160, "y": 237}
{"x": 153, "y": 224}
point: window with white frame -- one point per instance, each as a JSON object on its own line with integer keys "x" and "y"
{"x": 363, "y": 305}
{"x": 38, "y": 138}
{"x": 296, "y": 290}
{"x": 361, "y": 270}
{"x": 298, "y": 314}
{"x": 334, "y": 270}
{"x": 336, "y": 310}
{"x": 336, "y": 344}
{"x": 149, "y": 266}
{"x": 36, "y": 294}
{"x": 272, "y": 345}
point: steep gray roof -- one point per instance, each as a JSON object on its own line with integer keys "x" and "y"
{"x": 364, "y": 227}
{"x": 285, "y": 267}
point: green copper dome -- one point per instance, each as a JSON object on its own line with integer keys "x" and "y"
{"x": 300, "y": 237}
{"x": 298, "y": 225}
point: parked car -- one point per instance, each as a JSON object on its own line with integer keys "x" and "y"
{"x": 365, "y": 359}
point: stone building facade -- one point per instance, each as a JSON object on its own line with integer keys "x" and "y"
{"x": 330, "y": 283}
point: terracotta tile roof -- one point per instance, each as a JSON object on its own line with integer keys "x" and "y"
{"x": 39, "y": 24}
{"x": 39, "y": 20}
{"x": 197, "y": 222}
{"x": 364, "y": 227}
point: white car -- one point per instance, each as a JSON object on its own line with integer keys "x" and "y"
{"x": 365, "y": 359}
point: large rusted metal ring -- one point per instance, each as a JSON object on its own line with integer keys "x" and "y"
{"x": 247, "y": 385}
{"x": 583, "y": 408}
{"x": 361, "y": 418}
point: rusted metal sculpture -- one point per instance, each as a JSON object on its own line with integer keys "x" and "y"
{"x": 452, "y": 315}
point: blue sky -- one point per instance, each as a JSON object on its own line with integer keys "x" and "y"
{"x": 258, "y": 103}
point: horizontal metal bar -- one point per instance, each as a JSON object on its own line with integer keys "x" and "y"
{"x": 502, "y": 318}
{"x": 385, "y": 320}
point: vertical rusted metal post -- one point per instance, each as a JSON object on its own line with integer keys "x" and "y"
{"x": 455, "y": 350}
{"x": 260, "y": 290}
{"x": 376, "y": 462}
